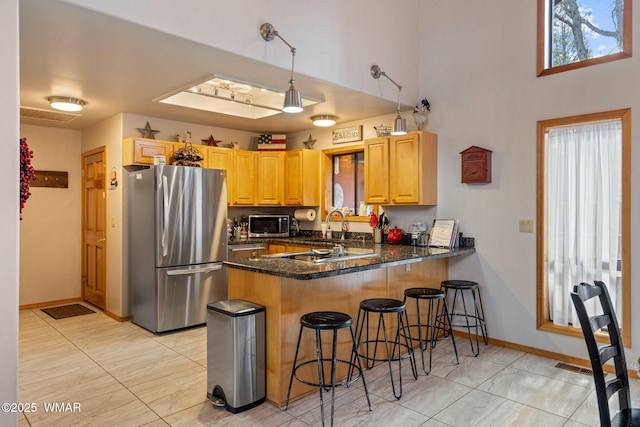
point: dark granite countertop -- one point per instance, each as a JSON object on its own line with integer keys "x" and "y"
{"x": 387, "y": 255}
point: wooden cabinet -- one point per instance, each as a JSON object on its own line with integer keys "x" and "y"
{"x": 140, "y": 151}
{"x": 376, "y": 171}
{"x": 275, "y": 248}
{"x": 219, "y": 158}
{"x": 270, "y": 175}
{"x": 242, "y": 179}
{"x": 302, "y": 178}
{"x": 401, "y": 170}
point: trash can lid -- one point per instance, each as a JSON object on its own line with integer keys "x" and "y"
{"x": 235, "y": 307}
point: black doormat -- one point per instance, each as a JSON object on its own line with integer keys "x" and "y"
{"x": 65, "y": 311}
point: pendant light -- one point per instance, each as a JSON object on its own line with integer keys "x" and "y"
{"x": 399, "y": 124}
{"x": 292, "y": 98}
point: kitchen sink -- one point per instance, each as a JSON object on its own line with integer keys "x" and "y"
{"x": 320, "y": 256}
{"x": 343, "y": 258}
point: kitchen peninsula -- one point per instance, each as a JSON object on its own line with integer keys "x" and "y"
{"x": 289, "y": 288}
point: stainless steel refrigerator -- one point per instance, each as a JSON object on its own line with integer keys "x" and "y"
{"x": 177, "y": 241}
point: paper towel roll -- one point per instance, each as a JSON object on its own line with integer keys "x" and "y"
{"x": 305, "y": 214}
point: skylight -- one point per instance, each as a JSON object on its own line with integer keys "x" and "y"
{"x": 226, "y": 96}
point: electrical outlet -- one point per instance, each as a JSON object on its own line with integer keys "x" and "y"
{"x": 526, "y": 226}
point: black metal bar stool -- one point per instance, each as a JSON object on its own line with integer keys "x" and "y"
{"x": 435, "y": 327}
{"x": 459, "y": 287}
{"x": 334, "y": 321}
{"x": 384, "y": 306}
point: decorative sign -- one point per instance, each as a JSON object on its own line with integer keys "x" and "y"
{"x": 350, "y": 134}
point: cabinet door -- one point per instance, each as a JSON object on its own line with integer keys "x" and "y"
{"x": 243, "y": 178}
{"x": 404, "y": 161}
{"x": 302, "y": 178}
{"x": 270, "y": 176}
{"x": 376, "y": 171}
{"x": 140, "y": 151}
{"x": 275, "y": 248}
{"x": 219, "y": 158}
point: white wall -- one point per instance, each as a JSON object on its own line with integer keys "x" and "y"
{"x": 9, "y": 208}
{"x": 50, "y": 236}
{"x": 484, "y": 91}
{"x": 336, "y": 41}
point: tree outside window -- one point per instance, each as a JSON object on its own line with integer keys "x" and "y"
{"x": 578, "y": 33}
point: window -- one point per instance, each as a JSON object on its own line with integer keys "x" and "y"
{"x": 578, "y": 33}
{"x": 583, "y": 215}
{"x": 344, "y": 166}
{"x": 348, "y": 181}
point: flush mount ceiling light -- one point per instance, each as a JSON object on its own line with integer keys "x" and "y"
{"x": 399, "y": 124}
{"x": 324, "y": 120}
{"x": 218, "y": 93}
{"x": 66, "y": 103}
{"x": 292, "y": 98}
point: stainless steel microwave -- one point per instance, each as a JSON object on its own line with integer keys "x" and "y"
{"x": 269, "y": 225}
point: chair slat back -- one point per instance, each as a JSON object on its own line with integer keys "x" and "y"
{"x": 599, "y": 355}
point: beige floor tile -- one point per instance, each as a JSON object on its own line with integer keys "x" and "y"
{"x": 68, "y": 364}
{"x": 430, "y": 395}
{"x": 176, "y": 392}
{"x": 483, "y": 409}
{"x": 82, "y": 385}
{"x": 120, "y": 408}
{"x": 557, "y": 397}
{"x": 471, "y": 371}
{"x": 206, "y": 415}
{"x": 148, "y": 366}
{"x": 547, "y": 367}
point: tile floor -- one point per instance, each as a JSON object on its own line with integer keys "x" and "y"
{"x": 123, "y": 375}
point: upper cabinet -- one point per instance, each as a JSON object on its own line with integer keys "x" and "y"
{"x": 401, "y": 170}
{"x": 242, "y": 180}
{"x": 140, "y": 151}
{"x": 254, "y": 178}
{"x": 302, "y": 178}
{"x": 270, "y": 178}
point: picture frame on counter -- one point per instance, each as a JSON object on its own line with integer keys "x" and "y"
{"x": 347, "y": 134}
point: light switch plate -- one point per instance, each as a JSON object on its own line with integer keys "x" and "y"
{"x": 526, "y": 226}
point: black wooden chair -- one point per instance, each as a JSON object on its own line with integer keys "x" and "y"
{"x": 605, "y": 388}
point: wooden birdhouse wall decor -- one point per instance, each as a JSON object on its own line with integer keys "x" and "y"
{"x": 476, "y": 165}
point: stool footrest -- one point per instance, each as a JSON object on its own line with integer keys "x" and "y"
{"x": 351, "y": 378}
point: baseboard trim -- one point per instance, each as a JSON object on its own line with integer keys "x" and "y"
{"x": 550, "y": 354}
{"x": 116, "y": 317}
{"x": 49, "y": 303}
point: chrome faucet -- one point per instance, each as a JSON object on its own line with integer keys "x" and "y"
{"x": 343, "y": 228}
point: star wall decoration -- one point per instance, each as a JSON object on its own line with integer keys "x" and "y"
{"x": 147, "y": 132}
{"x": 211, "y": 141}
{"x": 309, "y": 142}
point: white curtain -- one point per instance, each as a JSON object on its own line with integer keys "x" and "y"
{"x": 583, "y": 188}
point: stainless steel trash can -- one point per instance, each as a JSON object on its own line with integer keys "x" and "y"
{"x": 236, "y": 358}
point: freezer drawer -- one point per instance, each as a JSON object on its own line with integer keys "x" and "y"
{"x": 180, "y": 298}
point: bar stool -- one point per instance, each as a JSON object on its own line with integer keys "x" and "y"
{"x": 334, "y": 321}
{"x": 459, "y": 287}
{"x": 384, "y": 306}
{"x": 435, "y": 326}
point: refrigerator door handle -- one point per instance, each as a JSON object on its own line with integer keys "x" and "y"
{"x": 165, "y": 225}
{"x": 194, "y": 270}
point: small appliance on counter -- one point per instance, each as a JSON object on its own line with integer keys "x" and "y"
{"x": 395, "y": 235}
{"x": 418, "y": 232}
{"x": 269, "y": 225}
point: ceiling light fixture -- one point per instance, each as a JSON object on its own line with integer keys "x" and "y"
{"x": 292, "y": 98}
{"x": 399, "y": 124}
{"x": 324, "y": 120}
{"x": 66, "y": 103}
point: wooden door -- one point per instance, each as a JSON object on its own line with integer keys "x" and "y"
{"x": 243, "y": 179}
{"x": 269, "y": 183}
{"x": 404, "y": 161}
{"x": 376, "y": 171}
{"x": 94, "y": 206}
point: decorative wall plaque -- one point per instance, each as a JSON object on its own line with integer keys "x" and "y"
{"x": 350, "y": 134}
